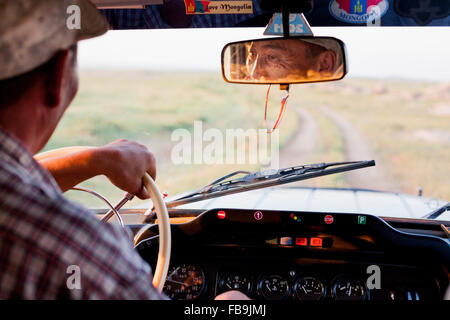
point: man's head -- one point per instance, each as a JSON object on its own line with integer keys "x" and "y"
{"x": 38, "y": 69}
{"x": 288, "y": 58}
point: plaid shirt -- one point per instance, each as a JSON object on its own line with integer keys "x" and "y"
{"x": 45, "y": 239}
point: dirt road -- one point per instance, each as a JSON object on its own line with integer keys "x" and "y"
{"x": 302, "y": 145}
{"x": 358, "y": 148}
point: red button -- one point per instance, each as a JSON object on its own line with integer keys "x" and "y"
{"x": 316, "y": 242}
{"x": 301, "y": 242}
{"x": 221, "y": 214}
{"x": 328, "y": 219}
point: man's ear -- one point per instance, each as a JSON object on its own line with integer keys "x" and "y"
{"x": 327, "y": 61}
{"x": 56, "y": 78}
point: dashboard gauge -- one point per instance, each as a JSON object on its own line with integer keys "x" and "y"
{"x": 349, "y": 289}
{"x": 274, "y": 287}
{"x": 184, "y": 282}
{"x": 309, "y": 288}
{"x": 236, "y": 281}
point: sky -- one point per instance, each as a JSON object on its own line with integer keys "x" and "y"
{"x": 390, "y": 53}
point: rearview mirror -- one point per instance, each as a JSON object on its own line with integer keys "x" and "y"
{"x": 284, "y": 60}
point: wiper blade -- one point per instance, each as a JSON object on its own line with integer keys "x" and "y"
{"x": 263, "y": 179}
{"x": 438, "y": 212}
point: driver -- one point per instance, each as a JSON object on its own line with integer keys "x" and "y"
{"x": 51, "y": 247}
{"x": 289, "y": 59}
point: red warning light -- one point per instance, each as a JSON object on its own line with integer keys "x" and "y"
{"x": 221, "y": 214}
{"x": 301, "y": 242}
{"x": 316, "y": 242}
{"x": 328, "y": 219}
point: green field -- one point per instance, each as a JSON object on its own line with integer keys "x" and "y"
{"x": 148, "y": 107}
{"x": 407, "y": 123}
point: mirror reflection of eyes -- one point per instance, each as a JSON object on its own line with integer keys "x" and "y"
{"x": 273, "y": 59}
{"x": 285, "y": 61}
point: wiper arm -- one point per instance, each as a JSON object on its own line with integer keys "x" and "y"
{"x": 263, "y": 179}
{"x": 438, "y": 212}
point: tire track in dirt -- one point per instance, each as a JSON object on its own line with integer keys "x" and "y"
{"x": 301, "y": 146}
{"x": 358, "y": 148}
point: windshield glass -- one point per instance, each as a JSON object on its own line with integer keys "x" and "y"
{"x": 164, "y": 89}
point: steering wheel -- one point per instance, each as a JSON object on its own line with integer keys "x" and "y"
{"x": 165, "y": 239}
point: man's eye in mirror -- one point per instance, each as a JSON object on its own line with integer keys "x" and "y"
{"x": 281, "y": 60}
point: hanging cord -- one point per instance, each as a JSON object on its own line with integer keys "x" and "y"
{"x": 282, "y": 110}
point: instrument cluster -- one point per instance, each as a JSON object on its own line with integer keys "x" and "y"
{"x": 189, "y": 282}
{"x": 280, "y": 255}
{"x": 294, "y": 286}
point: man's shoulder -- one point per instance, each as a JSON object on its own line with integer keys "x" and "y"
{"x": 29, "y": 207}
{"x": 59, "y": 233}
{"x": 24, "y": 195}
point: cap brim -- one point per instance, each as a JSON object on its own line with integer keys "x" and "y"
{"x": 35, "y": 31}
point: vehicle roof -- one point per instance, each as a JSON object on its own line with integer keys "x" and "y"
{"x": 326, "y": 13}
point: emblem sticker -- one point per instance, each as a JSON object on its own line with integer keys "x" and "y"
{"x": 422, "y": 12}
{"x": 219, "y": 7}
{"x": 358, "y": 11}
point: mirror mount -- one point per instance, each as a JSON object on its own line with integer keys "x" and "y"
{"x": 294, "y": 6}
{"x": 286, "y": 7}
{"x": 285, "y": 15}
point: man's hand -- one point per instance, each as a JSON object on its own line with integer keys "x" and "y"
{"x": 123, "y": 162}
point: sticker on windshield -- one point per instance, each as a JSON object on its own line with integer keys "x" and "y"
{"x": 358, "y": 11}
{"x": 298, "y": 25}
{"x": 219, "y": 7}
{"x": 422, "y": 12}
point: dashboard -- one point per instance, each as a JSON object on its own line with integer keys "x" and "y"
{"x": 281, "y": 255}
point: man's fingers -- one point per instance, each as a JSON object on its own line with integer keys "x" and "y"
{"x": 152, "y": 166}
{"x": 143, "y": 193}
{"x": 152, "y": 172}
{"x": 127, "y": 163}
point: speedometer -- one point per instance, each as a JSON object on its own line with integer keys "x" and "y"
{"x": 184, "y": 282}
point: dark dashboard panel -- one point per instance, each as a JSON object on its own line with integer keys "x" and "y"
{"x": 301, "y": 255}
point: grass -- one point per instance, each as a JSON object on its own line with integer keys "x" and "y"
{"x": 406, "y": 123}
{"x": 391, "y": 114}
{"x": 148, "y": 107}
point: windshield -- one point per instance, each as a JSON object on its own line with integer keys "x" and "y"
{"x": 164, "y": 89}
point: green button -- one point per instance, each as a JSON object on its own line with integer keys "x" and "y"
{"x": 361, "y": 219}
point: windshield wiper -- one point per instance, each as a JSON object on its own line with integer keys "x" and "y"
{"x": 438, "y": 212}
{"x": 263, "y": 179}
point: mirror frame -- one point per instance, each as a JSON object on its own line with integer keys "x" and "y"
{"x": 344, "y": 49}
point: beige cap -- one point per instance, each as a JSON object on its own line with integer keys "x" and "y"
{"x": 32, "y": 31}
{"x": 329, "y": 44}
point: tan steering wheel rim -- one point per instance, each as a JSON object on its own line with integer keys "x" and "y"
{"x": 165, "y": 239}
